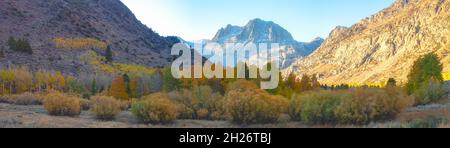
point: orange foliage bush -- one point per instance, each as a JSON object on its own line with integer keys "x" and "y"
{"x": 118, "y": 89}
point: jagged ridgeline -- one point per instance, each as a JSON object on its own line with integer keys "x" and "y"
{"x": 85, "y": 27}
{"x": 382, "y": 46}
{"x": 261, "y": 31}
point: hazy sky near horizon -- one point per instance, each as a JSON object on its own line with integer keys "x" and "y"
{"x": 201, "y": 19}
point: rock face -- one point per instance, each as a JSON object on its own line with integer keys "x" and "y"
{"x": 382, "y": 46}
{"x": 40, "y": 21}
{"x": 260, "y": 31}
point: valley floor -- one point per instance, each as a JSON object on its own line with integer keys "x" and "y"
{"x": 32, "y": 116}
{"x": 17, "y": 116}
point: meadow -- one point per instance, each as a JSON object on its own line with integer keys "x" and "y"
{"x": 134, "y": 96}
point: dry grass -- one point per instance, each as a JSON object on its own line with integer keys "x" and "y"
{"x": 22, "y": 99}
{"x": 33, "y": 116}
{"x": 411, "y": 116}
{"x": 13, "y": 116}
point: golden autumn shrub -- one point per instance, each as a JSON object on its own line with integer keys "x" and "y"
{"x": 365, "y": 105}
{"x": 125, "y": 105}
{"x": 59, "y": 104}
{"x": 202, "y": 114}
{"x": 155, "y": 108}
{"x": 105, "y": 108}
{"x": 247, "y": 104}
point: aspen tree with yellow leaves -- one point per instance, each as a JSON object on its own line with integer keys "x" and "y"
{"x": 60, "y": 81}
{"x": 79, "y": 43}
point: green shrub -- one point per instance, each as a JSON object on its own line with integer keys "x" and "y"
{"x": 20, "y": 45}
{"x": 428, "y": 92}
{"x": 354, "y": 106}
{"x": 429, "y": 122}
{"x": 200, "y": 103}
{"x": 59, "y": 104}
{"x": 169, "y": 82}
{"x": 248, "y": 104}
{"x": 315, "y": 107}
{"x": 105, "y": 108}
{"x": 425, "y": 80}
{"x": 184, "y": 104}
{"x": 155, "y": 108}
{"x": 208, "y": 102}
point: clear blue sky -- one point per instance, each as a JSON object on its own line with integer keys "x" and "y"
{"x": 200, "y": 19}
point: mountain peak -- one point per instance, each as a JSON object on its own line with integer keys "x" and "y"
{"x": 227, "y": 34}
{"x": 256, "y": 19}
{"x": 261, "y": 31}
{"x": 260, "y": 21}
{"x": 256, "y": 31}
{"x": 317, "y": 39}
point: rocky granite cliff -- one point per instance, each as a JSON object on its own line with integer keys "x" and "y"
{"x": 382, "y": 46}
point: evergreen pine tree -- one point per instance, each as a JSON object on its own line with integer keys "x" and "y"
{"x": 426, "y": 68}
{"x": 315, "y": 82}
{"x": 2, "y": 52}
{"x": 391, "y": 82}
{"x": 109, "y": 55}
{"x": 12, "y": 43}
{"x": 169, "y": 82}
{"x": 94, "y": 88}
{"x": 127, "y": 79}
{"x": 21, "y": 45}
{"x": 305, "y": 83}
